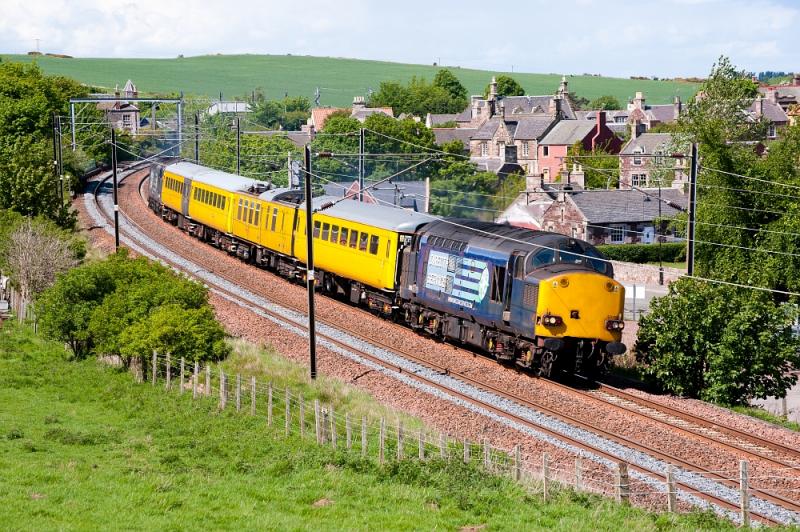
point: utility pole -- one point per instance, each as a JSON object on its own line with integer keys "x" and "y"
{"x": 312, "y": 340}
{"x": 692, "y": 211}
{"x": 238, "y": 147}
{"x": 72, "y": 124}
{"x": 361, "y": 164}
{"x": 55, "y": 150}
{"x": 180, "y": 124}
{"x": 289, "y": 169}
{"x": 114, "y": 174}
{"x": 660, "y": 238}
{"x": 196, "y": 138}
{"x": 60, "y": 161}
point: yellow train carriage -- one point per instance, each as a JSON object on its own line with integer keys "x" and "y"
{"x": 210, "y": 206}
{"x": 173, "y": 186}
{"x": 584, "y": 303}
{"x": 246, "y": 222}
{"x": 276, "y": 220}
{"x": 357, "y": 241}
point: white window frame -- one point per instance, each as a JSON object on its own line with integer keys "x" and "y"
{"x": 617, "y": 233}
{"x": 772, "y": 131}
{"x": 637, "y": 159}
{"x": 525, "y": 149}
{"x": 484, "y": 149}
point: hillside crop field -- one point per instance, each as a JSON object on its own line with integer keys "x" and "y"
{"x": 83, "y": 447}
{"x": 339, "y": 79}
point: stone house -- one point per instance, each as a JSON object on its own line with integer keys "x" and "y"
{"x": 599, "y": 216}
{"x": 640, "y": 164}
{"x": 120, "y": 114}
{"x": 554, "y": 147}
{"x": 359, "y": 111}
{"x": 768, "y": 108}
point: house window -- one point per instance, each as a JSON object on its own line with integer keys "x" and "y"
{"x": 126, "y": 120}
{"x": 617, "y": 234}
{"x": 501, "y": 148}
{"x": 484, "y": 149}
{"x": 637, "y": 159}
{"x": 638, "y": 180}
{"x": 546, "y": 150}
{"x": 659, "y": 157}
{"x": 574, "y": 232}
{"x": 619, "y": 119}
{"x": 525, "y": 149}
{"x": 771, "y": 132}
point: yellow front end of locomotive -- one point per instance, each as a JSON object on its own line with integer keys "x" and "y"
{"x": 580, "y": 305}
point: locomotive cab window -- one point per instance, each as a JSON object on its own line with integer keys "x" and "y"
{"x": 373, "y": 244}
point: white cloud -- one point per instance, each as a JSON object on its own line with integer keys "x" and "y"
{"x": 674, "y": 37}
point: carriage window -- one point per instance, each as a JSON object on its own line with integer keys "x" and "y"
{"x": 195, "y": 194}
{"x": 258, "y": 214}
{"x": 274, "y": 217}
{"x": 223, "y": 203}
{"x": 498, "y": 283}
{"x": 388, "y": 247}
{"x": 343, "y": 238}
{"x": 353, "y": 239}
{"x": 335, "y": 234}
{"x": 362, "y": 242}
{"x": 373, "y": 245}
{"x": 250, "y": 213}
{"x": 326, "y": 231}
{"x": 283, "y": 219}
{"x": 317, "y": 225}
{"x": 239, "y": 213}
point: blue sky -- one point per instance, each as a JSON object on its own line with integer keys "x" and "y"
{"x": 612, "y": 37}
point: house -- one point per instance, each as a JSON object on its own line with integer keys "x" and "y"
{"x": 555, "y": 145}
{"x": 228, "y": 108}
{"x": 785, "y": 95}
{"x": 641, "y": 163}
{"x": 120, "y": 114}
{"x": 599, "y": 216}
{"x": 359, "y": 111}
{"x": 767, "y": 108}
{"x": 639, "y": 116}
{"x": 445, "y": 135}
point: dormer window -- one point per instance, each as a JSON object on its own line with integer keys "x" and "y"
{"x": 637, "y": 159}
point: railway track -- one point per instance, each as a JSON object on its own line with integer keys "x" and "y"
{"x": 436, "y": 384}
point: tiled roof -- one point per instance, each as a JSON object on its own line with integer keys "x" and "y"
{"x": 568, "y": 132}
{"x": 441, "y": 119}
{"x": 621, "y": 206}
{"x": 663, "y": 113}
{"x": 649, "y": 141}
{"x": 772, "y": 111}
{"x": 487, "y": 129}
{"x": 532, "y": 128}
{"x": 465, "y": 115}
{"x": 320, "y": 114}
{"x": 444, "y": 135}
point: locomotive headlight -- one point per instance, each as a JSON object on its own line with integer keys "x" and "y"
{"x": 550, "y": 320}
{"x": 564, "y": 282}
{"x": 611, "y": 287}
{"x": 615, "y": 325}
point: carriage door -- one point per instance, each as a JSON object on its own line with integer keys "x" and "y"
{"x": 516, "y": 287}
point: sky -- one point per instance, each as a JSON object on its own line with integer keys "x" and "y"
{"x": 664, "y": 38}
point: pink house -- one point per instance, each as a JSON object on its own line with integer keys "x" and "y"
{"x": 555, "y": 146}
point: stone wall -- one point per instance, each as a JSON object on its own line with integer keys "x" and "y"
{"x": 646, "y": 274}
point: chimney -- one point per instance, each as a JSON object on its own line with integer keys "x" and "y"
{"x": 562, "y": 87}
{"x": 601, "y": 121}
{"x": 493, "y": 89}
{"x": 358, "y": 103}
{"x": 638, "y": 101}
{"x": 677, "y": 107}
{"x": 772, "y": 95}
{"x": 577, "y": 177}
{"x": 116, "y": 90}
{"x": 796, "y": 79}
{"x": 502, "y": 105}
{"x": 636, "y": 129}
{"x": 759, "y": 107}
{"x": 555, "y": 107}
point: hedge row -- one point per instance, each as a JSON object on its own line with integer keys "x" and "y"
{"x": 641, "y": 253}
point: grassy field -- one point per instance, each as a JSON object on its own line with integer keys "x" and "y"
{"x": 84, "y": 447}
{"x": 339, "y": 79}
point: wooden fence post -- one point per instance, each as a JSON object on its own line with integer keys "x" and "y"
{"x": 545, "y": 475}
{"x": 443, "y": 446}
{"x": 672, "y": 502}
{"x": 421, "y": 445}
{"x": 182, "y": 375}
{"x": 363, "y": 435}
{"x": 195, "y": 375}
{"x": 332, "y": 415}
{"x": 487, "y": 454}
{"x": 155, "y": 367}
{"x": 348, "y": 432}
{"x": 578, "y": 474}
{"x": 623, "y": 486}
{"x": 168, "y": 382}
{"x": 208, "y": 380}
{"x": 381, "y": 441}
{"x": 302, "y": 415}
{"x": 466, "y": 451}
{"x": 744, "y": 494}
{"x": 269, "y": 404}
{"x": 223, "y": 394}
{"x": 517, "y": 463}
{"x": 252, "y": 396}
{"x": 238, "y": 392}
{"x": 400, "y": 449}
{"x": 287, "y": 413}
{"x": 316, "y": 422}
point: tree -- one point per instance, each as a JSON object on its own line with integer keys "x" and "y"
{"x": 506, "y": 86}
{"x": 605, "y": 103}
{"x": 719, "y": 343}
{"x": 289, "y": 114}
{"x": 600, "y": 170}
{"x": 449, "y": 82}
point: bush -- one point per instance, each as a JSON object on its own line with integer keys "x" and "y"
{"x": 642, "y": 253}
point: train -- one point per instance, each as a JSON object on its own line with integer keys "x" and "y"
{"x": 540, "y": 300}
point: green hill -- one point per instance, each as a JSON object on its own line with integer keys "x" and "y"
{"x": 339, "y": 79}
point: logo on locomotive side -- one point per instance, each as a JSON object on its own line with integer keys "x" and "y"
{"x": 465, "y": 281}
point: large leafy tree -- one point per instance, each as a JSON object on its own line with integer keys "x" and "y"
{"x": 719, "y": 343}
{"x": 506, "y": 86}
{"x": 27, "y": 101}
{"x": 448, "y": 81}
{"x": 289, "y": 114}
{"x": 418, "y": 97}
{"x": 606, "y": 103}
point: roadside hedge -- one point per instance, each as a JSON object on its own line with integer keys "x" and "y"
{"x": 642, "y": 253}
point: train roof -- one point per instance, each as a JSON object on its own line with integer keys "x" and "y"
{"x": 501, "y": 237}
{"x": 215, "y": 178}
{"x": 382, "y": 216}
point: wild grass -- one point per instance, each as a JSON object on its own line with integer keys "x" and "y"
{"x": 82, "y": 446}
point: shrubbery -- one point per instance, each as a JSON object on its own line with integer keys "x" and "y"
{"x": 128, "y": 308}
{"x": 642, "y": 253}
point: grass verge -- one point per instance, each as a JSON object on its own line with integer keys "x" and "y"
{"x": 82, "y": 446}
